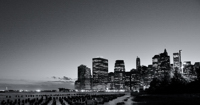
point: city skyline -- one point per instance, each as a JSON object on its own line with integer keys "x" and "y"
{"x": 40, "y": 40}
{"x": 161, "y": 73}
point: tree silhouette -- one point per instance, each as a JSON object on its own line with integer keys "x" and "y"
{"x": 198, "y": 72}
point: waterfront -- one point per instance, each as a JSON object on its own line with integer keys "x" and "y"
{"x": 64, "y": 98}
{"x": 104, "y": 98}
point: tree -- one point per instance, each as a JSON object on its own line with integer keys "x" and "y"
{"x": 198, "y": 72}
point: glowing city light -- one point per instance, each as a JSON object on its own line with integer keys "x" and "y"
{"x": 38, "y": 90}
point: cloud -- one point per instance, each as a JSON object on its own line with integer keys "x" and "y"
{"x": 64, "y": 79}
{"x": 54, "y": 77}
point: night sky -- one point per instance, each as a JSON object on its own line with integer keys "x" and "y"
{"x": 40, "y": 39}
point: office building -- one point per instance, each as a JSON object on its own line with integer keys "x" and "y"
{"x": 84, "y": 78}
{"x": 127, "y": 81}
{"x": 155, "y": 62}
{"x": 119, "y": 74}
{"x": 177, "y": 61}
{"x": 161, "y": 64}
{"x": 111, "y": 79}
{"x": 100, "y": 73}
{"x": 164, "y": 62}
{"x": 189, "y": 71}
{"x": 135, "y": 80}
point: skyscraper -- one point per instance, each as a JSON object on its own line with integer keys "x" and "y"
{"x": 127, "y": 80}
{"x": 83, "y": 72}
{"x": 177, "y": 61}
{"x": 135, "y": 80}
{"x": 137, "y": 63}
{"x": 187, "y": 67}
{"x": 189, "y": 70}
{"x": 111, "y": 77}
{"x": 155, "y": 64}
{"x": 84, "y": 77}
{"x": 155, "y": 61}
{"x": 161, "y": 64}
{"x": 151, "y": 72}
{"x": 119, "y": 73}
{"x": 164, "y": 61}
{"x": 111, "y": 81}
{"x": 100, "y": 71}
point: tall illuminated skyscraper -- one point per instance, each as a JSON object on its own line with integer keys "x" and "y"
{"x": 119, "y": 73}
{"x": 161, "y": 64}
{"x": 100, "y": 70}
{"x": 177, "y": 61}
{"x": 164, "y": 61}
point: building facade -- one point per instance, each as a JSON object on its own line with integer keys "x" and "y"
{"x": 100, "y": 73}
{"x": 135, "y": 80}
{"x": 189, "y": 71}
{"x": 119, "y": 74}
{"x": 176, "y": 59}
{"x": 161, "y": 64}
{"x": 111, "y": 80}
{"x": 187, "y": 67}
{"x": 177, "y": 62}
{"x": 128, "y": 81}
{"x": 164, "y": 63}
{"x": 155, "y": 62}
{"x": 84, "y": 78}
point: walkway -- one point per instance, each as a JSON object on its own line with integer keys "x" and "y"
{"x": 121, "y": 99}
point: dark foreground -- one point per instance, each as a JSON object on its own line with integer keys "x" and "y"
{"x": 63, "y": 98}
{"x": 167, "y": 99}
{"x": 98, "y": 99}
